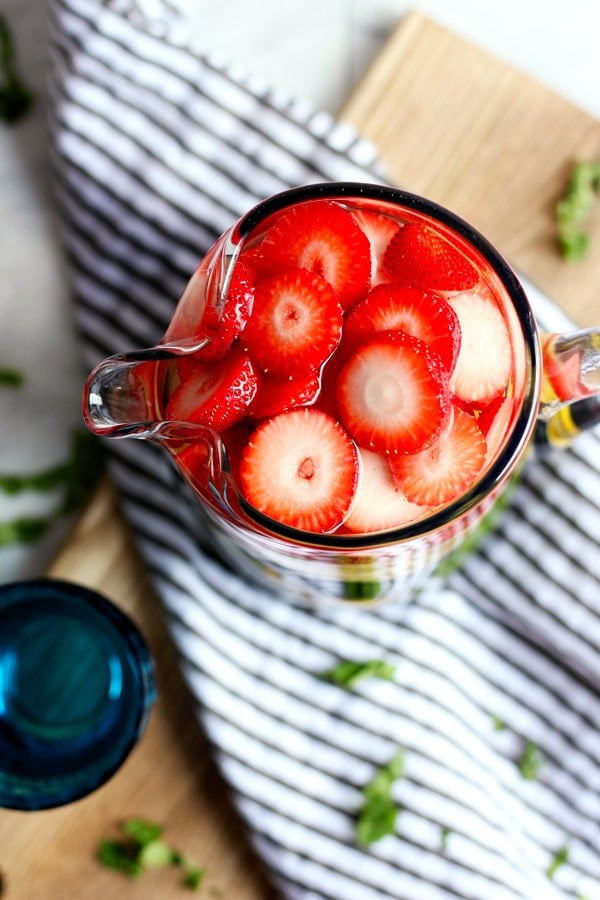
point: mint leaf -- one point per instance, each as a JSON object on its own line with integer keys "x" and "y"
{"x": 559, "y": 859}
{"x": 574, "y": 207}
{"x": 530, "y": 761}
{"x": 378, "y": 815}
{"x": 347, "y": 672}
{"x": 141, "y": 831}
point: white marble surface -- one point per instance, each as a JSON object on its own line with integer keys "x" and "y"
{"x": 314, "y": 49}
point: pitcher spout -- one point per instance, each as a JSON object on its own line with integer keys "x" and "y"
{"x": 122, "y": 396}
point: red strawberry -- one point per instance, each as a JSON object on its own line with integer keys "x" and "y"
{"x": 275, "y": 395}
{"x": 420, "y": 257}
{"x": 446, "y": 468}
{"x": 484, "y": 362}
{"x": 494, "y": 422}
{"x": 392, "y": 394}
{"x": 295, "y": 325}
{"x": 324, "y": 238}
{"x": 214, "y": 394}
{"x": 379, "y": 229}
{"x": 424, "y": 315}
{"x": 223, "y": 324}
{"x": 301, "y": 469}
{"x": 379, "y": 502}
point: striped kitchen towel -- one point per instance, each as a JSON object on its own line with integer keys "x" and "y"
{"x": 494, "y": 703}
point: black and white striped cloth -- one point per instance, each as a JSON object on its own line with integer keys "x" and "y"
{"x": 157, "y": 150}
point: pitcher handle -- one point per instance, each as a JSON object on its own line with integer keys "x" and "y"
{"x": 570, "y": 395}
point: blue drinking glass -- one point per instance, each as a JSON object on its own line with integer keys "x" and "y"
{"x": 76, "y": 688}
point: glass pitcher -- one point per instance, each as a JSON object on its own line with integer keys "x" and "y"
{"x": 349, "y": 380}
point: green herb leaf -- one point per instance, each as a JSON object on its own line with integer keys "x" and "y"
{"x": 119, "y": 856}
{"x": 530, "y": 761}
{"x": 498, "y": 723}
{"x": 193, "y": 877}
{"x": 144, "y": 849}
{"x": 378, "y": 814}
{"x": 11, "y": 378}
{"x": 559, "y": 859}
{"x": 24, "y": 530}
{"x": 155, "y": 854}
{"x": 347, "y": 672}
{"x": 444, "y": 835}
{"x": 86, "y": 467}
{"x": 39, "y": 481}
{"x": 15, "y": 98}
{"x": 141, "y": 831}
{"x": 574, "y": 208}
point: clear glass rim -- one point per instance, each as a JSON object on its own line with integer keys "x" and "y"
{"x": 506, "y": 460}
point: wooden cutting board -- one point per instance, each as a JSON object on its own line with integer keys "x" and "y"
{"x": 455, "y": 125}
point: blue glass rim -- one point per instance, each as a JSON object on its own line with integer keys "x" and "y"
{"x": 505, "y": 462}
{"x": 44, "y": 790}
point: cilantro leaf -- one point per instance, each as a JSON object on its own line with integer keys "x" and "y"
{"x": 347, "y": 672}
{"x": 574, "y": 207}
{"x": 378, "y": 815}
{"x": 141, "y": 830}
{"x": 15, "y": 98}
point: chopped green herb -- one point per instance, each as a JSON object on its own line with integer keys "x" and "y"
{"x": 141, "y": 830}
{"x": 498, "y": 723}
{"x": 144, "y": 849}
{"x": 15, "y": 98}
{"x": 530, "y": 761}
{"x": 24, "y": 530}
{"x": 378, "y": 814}
{"x": 79, "y": 476}
{"x": 39, "y": 481}
{"x": 348, "y": 671}
{"x": 573, "y": 209}
{"x": 559, "y": 859}
{"x": 444, "y": 835}
{"x": 11, "y": 378}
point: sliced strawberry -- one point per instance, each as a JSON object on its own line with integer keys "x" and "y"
{"x": 418, "y": 256}
{"x": 275, "y": 395}
{"x": 446, "y": 468}
{"x": 295, "y": 325}
{"x": 379, "y": 229}
{"x": 223, "y": 324}
{"x": 214, "y": 394}
{"x": 494, "y": 421}
{"x": 392, "y": 394}
{"x": 301, "y": 469}
{"x": 483, "y": 366}
{"x": 324, "y": 238}
{"x": 424, "y": 315}
{"x": 379, "y": 502}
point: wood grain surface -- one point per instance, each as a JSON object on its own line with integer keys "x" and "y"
{"x": 452, "y": 124}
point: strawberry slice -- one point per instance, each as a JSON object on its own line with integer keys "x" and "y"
{"x": 275, "y": 395}
{"x": 418, "y": 256}
{"x": 295, "y": 325}
{"x": 392, "y": 394}
{"x": 484, "y": 361}
{"x": 379, "y": 229}
{"x": 379, "y": 502}
{"x": 301, "y": 469}
{"x": 324, "y": 238}
{"x": 223, "y": 325}
{"x": 446, "y": 468}
{"x": 214, "y": 394}
{"x": 494, "y": 421}
{"x": 424, "y": 315}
